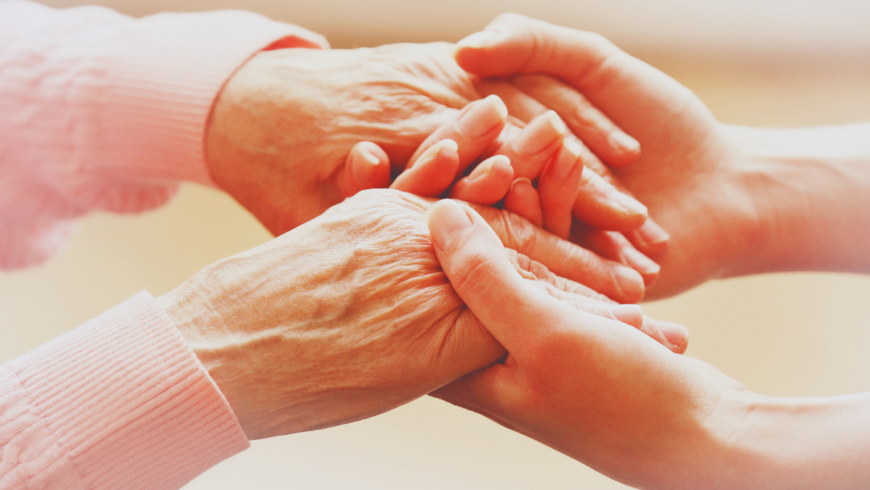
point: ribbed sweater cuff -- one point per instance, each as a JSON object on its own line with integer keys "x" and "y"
{"x": 127, "y": 402}
{"x": 166, "y": 71}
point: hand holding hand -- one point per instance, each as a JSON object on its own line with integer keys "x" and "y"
{"x": 284, "y": 123}
{"x": 597, "y": 390}
{"x": 438, "y": 165}
{"x": 349, "y": 316}
{"x": 688, "y": 174}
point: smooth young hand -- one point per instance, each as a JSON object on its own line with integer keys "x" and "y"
{"x": 689, "y": 175}
{"x": 610, "y": 397}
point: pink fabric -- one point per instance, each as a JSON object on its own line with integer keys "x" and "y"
{"x": 99, "y": 111}
{"x": 120, "y": 402}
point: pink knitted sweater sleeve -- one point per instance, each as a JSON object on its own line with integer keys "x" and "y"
{"x": 99, "y": 111}
{"x": 120, "y": 402}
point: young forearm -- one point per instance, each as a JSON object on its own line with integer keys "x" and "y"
{"x": 811, "y": 190}
{"x": 795, "y": 443}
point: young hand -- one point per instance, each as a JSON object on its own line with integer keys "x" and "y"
{"x": 690, "y": 176}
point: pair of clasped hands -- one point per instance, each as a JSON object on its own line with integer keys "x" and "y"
{"x": 486, "y": 299}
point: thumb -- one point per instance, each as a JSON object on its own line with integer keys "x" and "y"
{"x": 480, "y": 271}
{"x": 513, "y": 44}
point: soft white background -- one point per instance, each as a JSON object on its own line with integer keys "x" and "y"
{"x": 763, "y": 62}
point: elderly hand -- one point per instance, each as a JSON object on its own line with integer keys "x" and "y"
{"x": 689, "y": 175}
{"x": 345, "y": 317}
{"x": 284, "y": 123}
{"x": 441, "y": 159}
{"x": 282, "y": 126}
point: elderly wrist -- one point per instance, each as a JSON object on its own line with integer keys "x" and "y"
{"x": 190, "y": 307}
{"x": 190, "y": 315}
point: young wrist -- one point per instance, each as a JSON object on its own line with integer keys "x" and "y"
{"x": 809, "y": 188}
{"x": 773, "y": 182}
{"x": 751, "y": 215}
{"x": 725, "y": 453}
{"x": 797, "y": 443}
{"x": 731, "y": 231}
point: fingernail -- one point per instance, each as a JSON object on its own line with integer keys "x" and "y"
{"x": 540, "y": 133}
{"x": 447, "y": 220}
{"x": 482, "y": 117}
{"x": 486, "y": 167}
{"x": 565, "y": 161}
{"x": 368, "y": 156}
{"x": 640, "y": 262}
{"x": 364, "y": 166}
{"x": 624, "y": 141}
{"x": 652, "y": 234}
{"x": 521, "y": 181}
{"x": 435, "y": 149}
{"x": 677, "y": 335}
{"x": 630, "y": 281}
{"x": 478, "y": 40}
{"x": 500, "y": 161}
{"x": 628, "y": 203}
{"x": 630, "y": 314}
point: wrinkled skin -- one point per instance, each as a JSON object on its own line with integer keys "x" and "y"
{"x": 285, "y": 122}
{"x": 342, "y": 318}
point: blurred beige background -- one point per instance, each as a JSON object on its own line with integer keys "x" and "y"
{"x": 763, "y": 62}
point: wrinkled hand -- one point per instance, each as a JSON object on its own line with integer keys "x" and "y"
{"x": 597, "y": 390}
{"x": 437, "y": 168}
{"x": 688, "y": 174}
{"x": 282, "y": 126}
{"x": 284, "y": 123}
{"x": 350, "y": 315}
